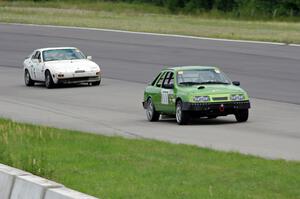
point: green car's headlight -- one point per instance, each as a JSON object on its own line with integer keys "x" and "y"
{"x": 201, "y": 98}
{"x": 239, "y": 97}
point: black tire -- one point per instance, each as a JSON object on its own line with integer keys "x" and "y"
{"x": 152, "y": 114}
{"x": 48, "y": 80}
{"x": 97, "y": 83}
{"x": 182, "y": 117}
{"x": 27, "y": 79}
{"x": 212, "y": 117}
{"x": 242, "y": 115}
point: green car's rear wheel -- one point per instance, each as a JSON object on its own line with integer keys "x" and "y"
{"x": 182, "y": 117}
{"x": 152, "y": 114}
{"x": 242, "y": 115}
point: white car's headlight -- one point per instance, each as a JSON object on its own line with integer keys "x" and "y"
{"x": 201, "y": 98}
{"x": 238, "y": 97}
{"x": 60, "y": 74}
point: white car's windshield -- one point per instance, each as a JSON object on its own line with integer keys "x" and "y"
{"x": 206, "y": 76}
{"x": 62, "y": 54}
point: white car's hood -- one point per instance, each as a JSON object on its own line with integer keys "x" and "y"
{"x": 64, "y": 66}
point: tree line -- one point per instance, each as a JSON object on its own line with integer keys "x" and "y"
{"x": 238, "y": 8}
{"x": 251, "y": 8}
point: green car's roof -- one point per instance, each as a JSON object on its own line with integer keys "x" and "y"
{"x": 177, "y": 68}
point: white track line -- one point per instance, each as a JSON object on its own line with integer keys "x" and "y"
{"x": 154, "y": 34}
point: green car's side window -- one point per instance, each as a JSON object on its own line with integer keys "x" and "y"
{"x": 156, "y": 78}
{"x": 169, "y": 80}
{"x": 160, "y": 80}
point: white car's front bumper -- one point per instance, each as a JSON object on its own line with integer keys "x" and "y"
{"x": 72, "y": 78}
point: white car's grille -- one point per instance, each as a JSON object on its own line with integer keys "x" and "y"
{"x": 79, "y": 71}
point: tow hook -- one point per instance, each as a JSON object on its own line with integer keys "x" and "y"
{"x": 221, "y": 108}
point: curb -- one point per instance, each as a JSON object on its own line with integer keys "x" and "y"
{"x": 18, "y": 184}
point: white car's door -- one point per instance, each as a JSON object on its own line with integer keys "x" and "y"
{"x": 31, "y": 66}
{"x": 38, "y": 66}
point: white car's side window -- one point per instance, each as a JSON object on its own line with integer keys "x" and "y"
{"x": 32, "y": 55}
{"x": 36, "y": 56}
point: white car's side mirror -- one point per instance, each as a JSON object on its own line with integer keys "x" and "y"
{"x": 89, "y": 57}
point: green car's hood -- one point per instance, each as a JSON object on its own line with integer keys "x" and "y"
{"x": 212, "y": 90}
{"x": 217, "y": 89}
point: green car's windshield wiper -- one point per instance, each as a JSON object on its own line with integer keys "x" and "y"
{"x": 189, "y": 83}
{"x": 213, "y": 82}
{"x": 197, "y": 83}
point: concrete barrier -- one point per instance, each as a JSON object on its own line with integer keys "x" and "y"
{"x": 7, "y": 179}
{"x": 18, "y": 184}
{"x": 31, "y": 187}
{"x": 64, "y": 193}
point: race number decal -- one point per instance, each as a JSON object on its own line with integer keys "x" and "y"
{"x": 165, "y": 95}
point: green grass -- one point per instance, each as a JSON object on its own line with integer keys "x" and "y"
{"x": 147, "y": 18}
{"x": 114, "y": 167}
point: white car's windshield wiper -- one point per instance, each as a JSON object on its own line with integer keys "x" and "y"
{"x": 73, "y": 58}
{"x": 52, "y": 60}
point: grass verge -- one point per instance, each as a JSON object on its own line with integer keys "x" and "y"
{"x": 146, "y": 18}
{"x": 114, "y": 167}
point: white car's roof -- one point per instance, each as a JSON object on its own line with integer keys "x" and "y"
{"x": 54, "y": 48}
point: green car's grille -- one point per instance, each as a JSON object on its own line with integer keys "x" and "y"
{"x": 219, "y": 98}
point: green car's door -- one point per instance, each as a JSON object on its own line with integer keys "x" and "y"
{"x": 167, "y": 94}
{"x": 156, "y": 91}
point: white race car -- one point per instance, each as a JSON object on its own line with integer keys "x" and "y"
{"x": 60, "y": 65}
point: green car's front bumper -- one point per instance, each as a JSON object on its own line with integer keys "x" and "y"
{"x": 222, "y": 108}
{"x": 188, "y": 106}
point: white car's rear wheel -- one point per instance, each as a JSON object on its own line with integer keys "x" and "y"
{"x": 48, "y": 80}
{"x": 27, "y": 79}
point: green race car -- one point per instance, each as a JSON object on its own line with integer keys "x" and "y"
{"x": 195, "y": 91}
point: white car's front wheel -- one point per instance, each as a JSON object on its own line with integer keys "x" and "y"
{"x": 48, "y": 80}
{"x": 27, "y": 79}
{"x": 97, "y": 83}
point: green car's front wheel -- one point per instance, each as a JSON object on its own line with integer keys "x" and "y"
{"x": 152, "y": 114}
{"x": 182, "y": 117}
{"x": 242, "y": 115}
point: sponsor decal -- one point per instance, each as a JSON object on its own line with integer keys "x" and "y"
{"x": 166, "y": 95}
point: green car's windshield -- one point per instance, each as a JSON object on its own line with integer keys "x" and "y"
{"x": 205, "y": 76}
{"x": 62, "y": 54}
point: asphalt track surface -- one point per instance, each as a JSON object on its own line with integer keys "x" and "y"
{"x": 270, "y": 73}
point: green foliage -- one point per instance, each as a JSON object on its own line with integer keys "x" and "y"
{"x": 149, "y": 18}
{"x": 114, "y": 167}
{"x": 31, "y": 158}
{"x": 237, "y": 8}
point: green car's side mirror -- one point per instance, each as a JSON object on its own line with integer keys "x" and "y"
{"x": 236, "y": 83}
